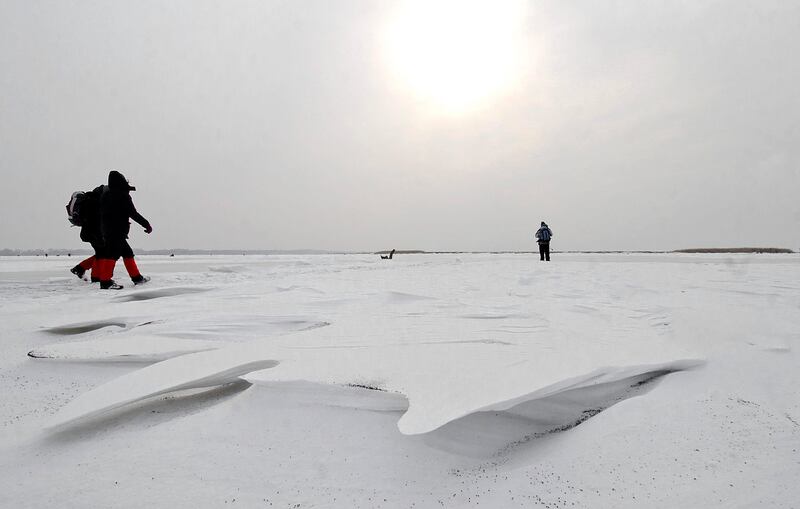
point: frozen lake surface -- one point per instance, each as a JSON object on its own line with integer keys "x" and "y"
{"x": 454, "y": 380}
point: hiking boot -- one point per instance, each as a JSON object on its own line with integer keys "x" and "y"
{"x": 78, "y": 271}
{"x": 94, "y": 279}
{"x": 110, "y": 285}
{"x": 140, "y": 280}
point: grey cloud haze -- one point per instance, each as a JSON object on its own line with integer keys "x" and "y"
{"x": 280, "y": 125}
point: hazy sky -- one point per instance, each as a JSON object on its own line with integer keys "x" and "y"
{"x": 361, "y": 125}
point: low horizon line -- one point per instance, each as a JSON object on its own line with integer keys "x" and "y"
{"x": 191, "y": 251}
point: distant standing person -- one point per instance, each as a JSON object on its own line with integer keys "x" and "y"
{"x": 543, "y": 236}
{"x": 116, "y": 210}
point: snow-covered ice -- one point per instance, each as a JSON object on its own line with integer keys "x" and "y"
{"x": 425, "y": 381}
{"x": 129, "y": 348}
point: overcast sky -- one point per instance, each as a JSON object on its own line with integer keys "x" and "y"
{"x": 362, "y": 125}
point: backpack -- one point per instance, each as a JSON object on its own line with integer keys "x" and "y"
{"x": 544, "y": 234}
{"x": 78, "y": 208}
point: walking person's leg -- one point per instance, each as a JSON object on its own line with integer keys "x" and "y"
{"x": 130, "y": 264}
{"x": 547, "y": 251}
{"x": 97, "y": 245}
{"x": 110, "y": 255}
{"x": 80, "y": 269}
{"x": 541, "y": 251}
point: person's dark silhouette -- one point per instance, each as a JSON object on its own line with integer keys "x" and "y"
{"x": 389, "y": 257}
{"x": 543, "y": 236}
{"x": 90, "y": 232}
{"x": 116, "y": 210}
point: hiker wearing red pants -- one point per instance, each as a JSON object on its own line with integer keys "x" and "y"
{"x": 116, "y": 211}
{"x": 90, "y": 232}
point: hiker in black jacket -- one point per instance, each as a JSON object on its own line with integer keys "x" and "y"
{"x": 543, "y": 236}
{"x": 116, "y": 210}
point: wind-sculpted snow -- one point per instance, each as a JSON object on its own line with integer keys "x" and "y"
{"x": 402, "y": 297}
{"x": 560, "y": 404}
{"x": 450, "y": 355}
{"x": 169, "y": 339}
{"x": 236, "y": 327}
{"x": 297, "y": 288}
{"x": 228, "y": 269}
{"x": 492, "y": 316}
{"x": 193, "y": 371}
{"x": 499, "y": 428}
{"x": 137, "y": 295}
{"x": 124, "y": 348}
{"x": 83, "y": 327}
{"x": 434, "y": 380}
{"x": 480, "y": 432}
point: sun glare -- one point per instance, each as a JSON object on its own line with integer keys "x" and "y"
{"x": 456, "y": 54}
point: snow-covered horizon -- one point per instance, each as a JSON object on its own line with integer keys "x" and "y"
{"x": 83, "y": 250}
{"x": 455, "y": 380}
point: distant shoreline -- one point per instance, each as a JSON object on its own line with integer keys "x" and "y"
{"x": 735, "y": 250}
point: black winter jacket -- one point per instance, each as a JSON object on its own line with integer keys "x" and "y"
{"x": 116, "y": 208}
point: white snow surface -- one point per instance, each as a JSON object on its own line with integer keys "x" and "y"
{"x": 127, "y": 348}
{"x": 425, "y": 381}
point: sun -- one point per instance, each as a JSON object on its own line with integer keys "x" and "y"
{"x": 455, "y": 54}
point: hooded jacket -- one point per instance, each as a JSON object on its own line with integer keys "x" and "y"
{"x": 116, "y": 209}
